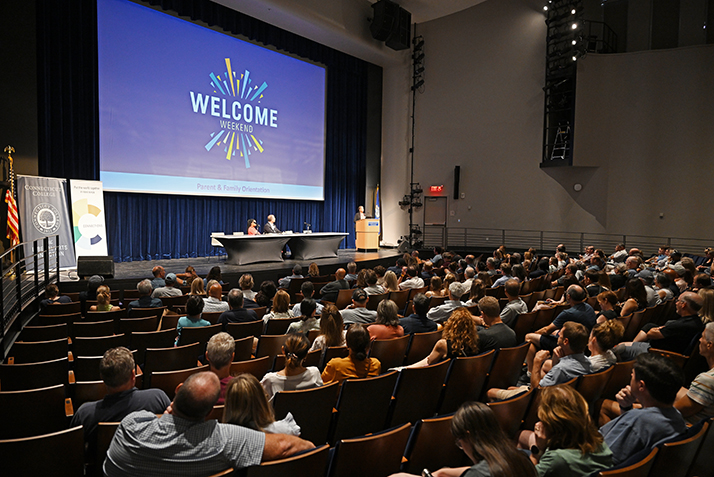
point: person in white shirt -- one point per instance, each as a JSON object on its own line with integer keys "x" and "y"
{"x": 411, "y": 280}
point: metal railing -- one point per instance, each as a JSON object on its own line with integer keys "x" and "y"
{"x": 461, "y": 238}
{"x": 24, "y": 279}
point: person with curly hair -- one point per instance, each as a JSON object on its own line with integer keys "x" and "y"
{"x": 459, "y": 339}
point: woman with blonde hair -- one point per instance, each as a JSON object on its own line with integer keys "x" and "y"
{"x": 707, "y": 311}
{"x": 332, "y": 331}
{"x": 459, "y": 339}
{"x": 313, "y": 270}
{"x": 485, "y": 278}
{"x": 567, "y": 443}
{"x": 294, "y": 375}
{"x": 449, "y": 278}
{"x": 478, "y": 291}
{"x": 246, "y": 285}
{"x": 390, "y": 281}
{"x": 104, "y": 300}
{"x": 247, "y": 406}
{"x": 197, "y": 288}
{"x": 603, "y": 338}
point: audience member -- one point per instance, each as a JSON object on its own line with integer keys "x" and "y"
{"x": 386, "y": 325}
{"x": 294, "y": 376}
{"x": 118, "y": 371}
{"x": 608, "y": 306}
{"x": 145, "y": 300}
{"x": 237, "y": 313}
{"x": 515, "y": 305}
{"x": 391, "y": 283}
{"x": 442, "y": 313}
{"x": 647, "y": 278}
{"x": 246, "y": 284}
{"x": 356, "y": 364}
{"x": 94, "y": 282}
{"x": 476, "y": 292}
{"x": 493, "y": 333}
{"x": 187, "y": 277}
{"x": 214, "y": 301}
{"x": 706, "y": 313}
{"x": 654, "y": 384}
{"x": 194, "y": 308}
{"x": 603, "y": 338}
{"x": 53, "y": 296}
{"x": 330, "y": 291}
{"x": 281, "y": 307}
{"x": 358, "y": 312}
{"x": 506, "y": 270}
{"x": 159, "y": 275}
{"x": 435, "y": 287}
{"x": 104, "y": 300}
{"x": 372, "y": 287}
{"x": 635, "y": 297}
{"x": 313, "y": 270}
{"x": 332, "y": 332}
{"x": 459, "y": 339}
{"x": 213, "y": 274}
{"x": 417, "y": 322}
{"x": 307, "y": 321}
{"x": 169, "y": 288}
{"x": 197, "y": 288}
{"x": 297, "y": 273}
{"x": 351, "y": 275}
{"x": 697, "y": 402}
{"x": 308, "y": 290}
{"x": 220, "y": 352}
{"x": 411, "y": 279}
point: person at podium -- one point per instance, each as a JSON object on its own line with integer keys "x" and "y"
{"x": 270, "y": 227}
{"x": 360, "y": 214}
{"x": 253, "y": 227}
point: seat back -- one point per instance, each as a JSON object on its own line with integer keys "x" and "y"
{"x": 417, "y": 393}
{"x": 96, "y": 346}
{"x": 142, "y": 340}
{"x": 703, "y": 462}
{"x": 465, "y": 380}
{"x": 244, "y": 349}
{"x": 270, "y": 345}
{"x": 363, "y": 406}
{"x": 279, "y": 326}
{"x": 62, "y": 308}
{"x": 524, "y": 324}
{"x": 87, "y": 391}
{"x": 421, "y": 345}
{"x": 639, "y": 469}
{"x": 675, "y": 458}
{"x": 173, "y": 302}
{"x": 373, "y": 300}
{"x": 145, "y": 312}
{"x": 34, "y": 412}
{"x": 258, "y": 367}
{"x": 306, "y": 464}
{"x": 44, "y": 333}
{"x": 130, "y": 325}
{"x": 38, "y": 351}
{"x": 334, "y": 352}
{"x": 415, "y": 291}
{"x": 105, "y": 315}
{"x": 390, "y": 352}
{"x": 18, "y": 377}
{"x": 400, "y": 297}
{"x": 384, "y": 451}
{"x": 507, "y": 366}
{"x": 511, "y": 412}
{"x": 311, "y": 408}
{"x": 69, "y": 318}
{"x": 545, "y": 317}
{"x": 168, "y": 380}
{"x": 437, "y": 301}
{"x": 591, "y": 386}
{"x": 249, "y": 328}
{"x": 93, "y": 329}
{"x": 170, "y": 359}
{"x": 105, "y": 434}
{"x": 198, "y": 334}
{"x": 211, "y": 316}
{"x": 679, "y": 359}
{"x": 59, "y": 454}
{"x": 344, "y": 298}
{"x": 619, "y": 378}
{"x": 431, "y": 446}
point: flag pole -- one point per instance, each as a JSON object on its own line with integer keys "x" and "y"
{"x": 13, "y": 224}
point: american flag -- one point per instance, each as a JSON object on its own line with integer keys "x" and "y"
{"x": 13, "y": 224}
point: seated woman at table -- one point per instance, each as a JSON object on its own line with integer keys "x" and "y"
{"x": 356, "y": 364}
{"x": 253, "y": 227}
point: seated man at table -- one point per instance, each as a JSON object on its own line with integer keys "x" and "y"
{"x": 237, "y": 314}
{"x": 183, "y": 442}
{"x": 270, "y": 227}
{"x": 145, "y": 299}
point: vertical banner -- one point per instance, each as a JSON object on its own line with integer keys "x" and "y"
{"x": 89, "y": 226}
{"x": 377, "y": 210}
{"x": 43, "y": 211}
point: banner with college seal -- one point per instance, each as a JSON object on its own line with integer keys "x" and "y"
{"x": 42, "y": 203}
{"x": 88, "y": 225}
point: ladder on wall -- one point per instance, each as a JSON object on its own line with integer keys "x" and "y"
{"x": 561, "y": 145}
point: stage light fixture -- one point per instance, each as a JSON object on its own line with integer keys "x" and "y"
{"x": 418, "y": 84}
{"x": 574, "y": 26}
{"x": 545, "y": 8}
{"x": 418, "y": 57}
{"x": 574, "y": 42}
{"x": 419, "y": 70}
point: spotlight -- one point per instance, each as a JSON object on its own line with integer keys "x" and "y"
{"x": 572, "y": 12}
{"x": 418, "y": 57}
{"x": 575, "y": 57}
{"x": 574, "y": 26}
{"x": 418, "y": 84}
{"x": 574, "y": 42}
{"x": 545, "y": 8}
{"x": 419, "y": 70}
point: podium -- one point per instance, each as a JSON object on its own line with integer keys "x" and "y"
{"x": 367, "y": 235}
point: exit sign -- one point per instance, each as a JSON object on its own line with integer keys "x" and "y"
{"x": 436, "y": 188}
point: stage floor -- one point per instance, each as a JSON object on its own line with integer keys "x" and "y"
{"x": 127, "y": 274}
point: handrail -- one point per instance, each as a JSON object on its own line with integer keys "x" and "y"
{"x": 468, "y": 238}
{"x": 25, "y": 278}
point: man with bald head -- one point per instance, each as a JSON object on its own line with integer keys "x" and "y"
{"x": 214, "y": 301}
{"x": 183, "y": 442}
{"x": 675, "y": 335}
{"x": 330, "y": 291}
{"x": 159, "y": 275}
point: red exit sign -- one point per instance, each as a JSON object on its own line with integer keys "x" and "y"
{"x": 436, "y": 189}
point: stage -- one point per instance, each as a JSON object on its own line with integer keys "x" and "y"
{"x": 128, "y": 274}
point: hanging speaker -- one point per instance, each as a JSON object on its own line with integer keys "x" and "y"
{"x": 401, "y": 32}
{"x": 457, "y": 179}
{"x": 386, "y": 18}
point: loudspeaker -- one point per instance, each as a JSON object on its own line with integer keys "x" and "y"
{"x": 402, "y": 31}
{"x": 457, "y": 179}
{"x": 98, "y": 265}
{"x": 386, "y": 17}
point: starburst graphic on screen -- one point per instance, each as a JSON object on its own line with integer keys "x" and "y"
{"x": 241, "y": 142}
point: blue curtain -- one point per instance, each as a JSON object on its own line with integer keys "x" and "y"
{"x": 146, "y": 226}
